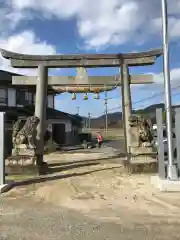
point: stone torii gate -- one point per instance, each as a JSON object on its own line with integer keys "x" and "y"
{"x": 81, "y": 61}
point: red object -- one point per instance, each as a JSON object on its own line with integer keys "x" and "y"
{"x": 99, "y": 138}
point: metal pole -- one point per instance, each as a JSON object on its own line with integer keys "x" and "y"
{"x": 2, "y": 148}
{"x": 177, "y": 120}
{"x": 86, "y": 124}
{"x": 106, "y": 111}
{"x": 40, "y": 109}
{"x": 77, "y": 110}
{"x": 161, "y": 162}
{"x": 89, "y": 121}
{"x": 171, "y": 171}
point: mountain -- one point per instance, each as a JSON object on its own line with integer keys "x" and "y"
{"x": 115, "y": 119}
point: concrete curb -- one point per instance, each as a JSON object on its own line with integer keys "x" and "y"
{"x": 165, "y": 185}
{"x": 6, "y": 187}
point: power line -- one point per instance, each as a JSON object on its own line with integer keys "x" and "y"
{"x": 148, "y": 98}
{"x": 116, "y": 108}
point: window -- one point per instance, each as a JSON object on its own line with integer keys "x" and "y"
{"x": 28, "y": 97}
{"x": 3, "y": 96}
{"x": 23, "y": 97}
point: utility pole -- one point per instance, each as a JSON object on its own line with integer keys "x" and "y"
{"x": 84, "y": 124}
{"x": 171, "y": 171}
{"x": 106, "y": 111}
{"x": 77, "y": 110}
{"x": 89, "y": 121}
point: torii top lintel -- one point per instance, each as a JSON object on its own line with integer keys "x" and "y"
{"x": 82, "y": 60}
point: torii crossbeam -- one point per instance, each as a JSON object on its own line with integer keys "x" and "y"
{"x": 82, "y": 60}
{"x": 77, "y": 84}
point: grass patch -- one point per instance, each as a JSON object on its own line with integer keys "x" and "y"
{"x": 111, "y": 134}
{"x": 19, "y": 177}
{"x": 110, "y": 137}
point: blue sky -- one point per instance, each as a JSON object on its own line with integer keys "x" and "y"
{"x": 89, "y": 26}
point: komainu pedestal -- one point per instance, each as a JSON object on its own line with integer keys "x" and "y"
{"x": 24, "y": 144}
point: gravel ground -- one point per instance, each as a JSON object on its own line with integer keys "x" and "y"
{"x": 106, "y": 205}
{"x": 24, "y": 219}
{"x": 24, "y": 215}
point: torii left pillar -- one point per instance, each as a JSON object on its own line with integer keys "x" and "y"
{"x": 127, "y": 104}
{"x": 40, "y": 110}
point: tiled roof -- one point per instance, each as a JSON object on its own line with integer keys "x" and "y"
{"x": 55, "y": 114}
{"x": 12, "y": 113}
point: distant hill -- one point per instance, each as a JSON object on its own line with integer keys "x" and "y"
{"x": 115, "y": 119}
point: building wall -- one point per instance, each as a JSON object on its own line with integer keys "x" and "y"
{"x": 51, "y": 101}
{"x": 70, "y": 130}
{"x": 68, "y": 124}
{"x": 11, "y": 99}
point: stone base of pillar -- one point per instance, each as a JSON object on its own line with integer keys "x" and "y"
{"x": 50, "y": 146}
{"x": 41, "y": 165}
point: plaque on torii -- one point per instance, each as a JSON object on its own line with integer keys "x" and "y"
{"x": 80, "y": 61}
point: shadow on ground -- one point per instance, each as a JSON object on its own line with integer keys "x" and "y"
{"x": 80, "y": 148}
{"x": 99, "y": 160}
{"x": 41, "y": 179}
{"x": 54, "y": 168}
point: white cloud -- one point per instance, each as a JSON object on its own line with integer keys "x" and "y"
{"x": 105, "y": 22}
{"x": 174, "y": 26}
{"x": 174, "y": 76}
{"x": 25, "y": 42}
{"x": 157, "y": 88}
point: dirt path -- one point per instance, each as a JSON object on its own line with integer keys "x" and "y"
{"x": 103, "y": 204}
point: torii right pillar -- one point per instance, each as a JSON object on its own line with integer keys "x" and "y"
{"x": 127, "y": 104}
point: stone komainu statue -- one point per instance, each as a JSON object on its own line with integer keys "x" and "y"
{"x": 16, "y": 128}
{"x": 24, "y": 132}
{"x": 141, "y": 130}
